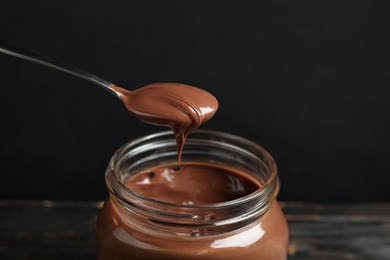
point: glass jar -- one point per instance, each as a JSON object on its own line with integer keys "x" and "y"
{"x": 131, "y": 226}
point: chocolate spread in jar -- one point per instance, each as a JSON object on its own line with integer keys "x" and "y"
{"x": 194, "y": 183}
{"x": 181, "y": 107}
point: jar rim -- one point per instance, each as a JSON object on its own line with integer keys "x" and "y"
{"x": 271, "y": 185}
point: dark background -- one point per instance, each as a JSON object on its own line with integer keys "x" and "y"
{"x": 307, "y": 80}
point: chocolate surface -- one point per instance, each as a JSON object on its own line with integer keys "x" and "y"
{"x": 181, "y": 107}
{"x": 191, "y": 184}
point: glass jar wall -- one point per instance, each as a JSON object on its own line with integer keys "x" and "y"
{"x": 219, "y": 203}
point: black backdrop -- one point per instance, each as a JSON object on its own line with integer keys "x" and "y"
{"x": 307, "y": 80}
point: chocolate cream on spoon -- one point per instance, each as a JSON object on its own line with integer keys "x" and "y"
{"x": 181, "y": 107}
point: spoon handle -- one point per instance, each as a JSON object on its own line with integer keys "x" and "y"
{"x": 47, "y": 61}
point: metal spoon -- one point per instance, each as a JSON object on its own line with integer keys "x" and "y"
{"x": 181, "y": 107}
{"x": 200, "y": 104}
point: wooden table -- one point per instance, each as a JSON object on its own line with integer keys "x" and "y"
{"x": 43, "y": 230}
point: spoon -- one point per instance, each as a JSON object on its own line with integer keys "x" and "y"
{"x": 181, "y": 107}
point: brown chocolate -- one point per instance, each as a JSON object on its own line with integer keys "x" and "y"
{"x": 131, "y": 231}
{"x": 181, "y": 107}
{"x": 191, "y": 184}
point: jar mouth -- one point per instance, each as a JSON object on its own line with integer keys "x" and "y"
{"x": 269, "y": 181}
